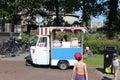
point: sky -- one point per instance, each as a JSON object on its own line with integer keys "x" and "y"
{"x": 97, "y": 19}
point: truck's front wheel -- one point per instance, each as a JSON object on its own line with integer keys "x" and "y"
{"x": 63, "y": 65}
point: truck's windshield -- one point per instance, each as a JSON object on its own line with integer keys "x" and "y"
{"x": 43, "y": 41}
{"x": 34, "y": 41}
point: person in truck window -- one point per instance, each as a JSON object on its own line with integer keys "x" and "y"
{"x": 64, "y": 38}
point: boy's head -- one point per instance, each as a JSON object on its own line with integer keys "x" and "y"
{"x": 78, "y": 56}
{"x": 115, "y": 55}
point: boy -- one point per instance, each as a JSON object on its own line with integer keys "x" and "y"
{"x": 80, "y": 69}
{"x": 115, "y": 64}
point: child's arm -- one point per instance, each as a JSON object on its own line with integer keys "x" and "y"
{"x": 110, "y": 66}
{"x": 86, "y": 72}
{"x": 73, "y": 73}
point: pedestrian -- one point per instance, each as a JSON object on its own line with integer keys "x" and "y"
{"x": 88, "y": 52}
{"x": 80, "y": 68}
{"x": 115, "y": 64}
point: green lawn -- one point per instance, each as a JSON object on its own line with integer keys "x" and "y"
{"x": 96, "y": 60}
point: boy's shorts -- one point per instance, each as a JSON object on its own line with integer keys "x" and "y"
{"x": 79, "y": 77}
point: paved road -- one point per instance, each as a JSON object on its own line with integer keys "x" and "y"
{"x": 14, "y": 69}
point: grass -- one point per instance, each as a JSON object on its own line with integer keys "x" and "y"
{"x": 96, "y": 60}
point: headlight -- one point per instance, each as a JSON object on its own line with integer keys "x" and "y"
{"x": 33, "y": 50}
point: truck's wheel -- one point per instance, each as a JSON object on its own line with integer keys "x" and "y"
{"x": 28, "y": 63}
{"x": 63, "y": 65}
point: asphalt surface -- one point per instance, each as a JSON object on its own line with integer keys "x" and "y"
{"x": 95, "y": 72}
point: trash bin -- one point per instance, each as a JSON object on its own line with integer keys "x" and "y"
{"x": 108, "y": 55}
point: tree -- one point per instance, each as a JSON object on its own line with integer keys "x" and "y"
{"x": 8, "y": 12}
{"x": 111, "y": 11}
{"x": 29, "y": 8}
{"x": 90, "y": 8}
{"x": 112, "y": 17}
{"x": 3, "y": 12}
{"x": 61, "y": 6}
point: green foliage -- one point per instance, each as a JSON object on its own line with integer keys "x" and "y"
{"x": 60, "y": 6}
{"x": 66, "y": 6}
{"x": 31, "y": 36}
{"x": 113, "y": 18}
{"x": 9, "y": 11}
{"x": 60, "y": 34}
{"x": 98, "y": 41}
{"x": 90, "y": 8}
{"x": 115, "y": 23}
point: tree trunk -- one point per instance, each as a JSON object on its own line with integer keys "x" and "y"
{"x": 85, "y": 15}
{"x": 3, "y": 24}
{"x": 85, "y": 18}
{"x": 57, "y": 12}
{"x": 112, "y": 16}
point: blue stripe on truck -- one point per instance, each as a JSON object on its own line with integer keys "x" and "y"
{"x": 64, "y": 53}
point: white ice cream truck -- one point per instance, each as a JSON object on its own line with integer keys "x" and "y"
{"x": 53, "y": 52}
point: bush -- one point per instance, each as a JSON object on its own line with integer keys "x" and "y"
{"x": 98, "y": 41}
{"x": 31, "y": 36}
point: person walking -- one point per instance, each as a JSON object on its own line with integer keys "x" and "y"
{"x": 80, "y": 69}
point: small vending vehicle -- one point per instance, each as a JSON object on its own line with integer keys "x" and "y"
{"x": 54, "y": 52}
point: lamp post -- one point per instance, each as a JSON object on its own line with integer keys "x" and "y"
{"x": 38, "y": 20}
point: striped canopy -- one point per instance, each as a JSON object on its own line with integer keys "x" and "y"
{"x": 47, "y": 30}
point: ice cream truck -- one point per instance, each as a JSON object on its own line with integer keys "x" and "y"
{"x": 54, "y": 52}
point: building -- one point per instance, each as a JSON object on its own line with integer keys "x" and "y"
{"x": 96, "y": 25}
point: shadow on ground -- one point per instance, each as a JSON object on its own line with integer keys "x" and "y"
{"x": 105, "y": 78}
{"x": 103, "y": 72}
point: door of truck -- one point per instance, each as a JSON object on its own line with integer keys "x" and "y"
{"x": 42, "y": 55}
